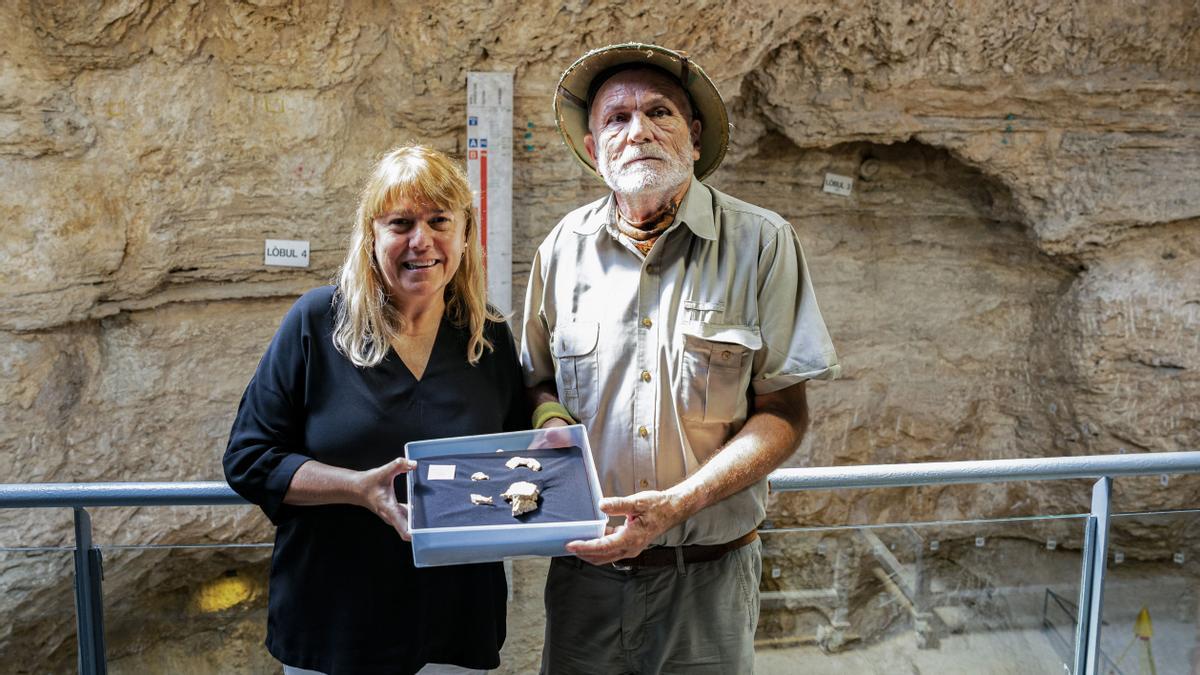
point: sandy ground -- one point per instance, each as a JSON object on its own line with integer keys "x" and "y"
{"x": 1171, "y": 600}
{"x": 1170, "y": 596}
{"x": 1016, "y": 652}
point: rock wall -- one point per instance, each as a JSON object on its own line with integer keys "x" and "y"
{"x": 1016, "y": 273}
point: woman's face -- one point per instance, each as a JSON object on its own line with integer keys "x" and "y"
{"x": 418, "y": 248}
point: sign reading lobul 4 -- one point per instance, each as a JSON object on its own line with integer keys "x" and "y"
{"x": 286, "y": 253}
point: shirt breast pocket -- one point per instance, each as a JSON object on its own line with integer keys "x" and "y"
{"x": 574, "y": 349}
{"x": 715, "y": 367}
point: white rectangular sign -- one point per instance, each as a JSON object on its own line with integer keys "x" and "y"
{"x": 440, "y": 472}
{"x": 286, "y": 253}
{"x": 838, "y": 185}
{"x": 489, "y": 168}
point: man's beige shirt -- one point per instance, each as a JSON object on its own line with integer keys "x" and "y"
{"x": 657, "y": 355}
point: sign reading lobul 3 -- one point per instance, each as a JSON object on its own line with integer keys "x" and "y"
{"x": 286, "y": 253}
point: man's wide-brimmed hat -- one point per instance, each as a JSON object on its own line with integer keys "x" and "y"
{"x": 575, "y": 85}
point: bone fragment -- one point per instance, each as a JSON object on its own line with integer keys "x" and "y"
{"x": 524, "y": 461}
{"x": 523, "y": 496}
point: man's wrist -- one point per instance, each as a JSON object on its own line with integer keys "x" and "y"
{"x": 683, "y": 501}
{"x": 551, "y": 410}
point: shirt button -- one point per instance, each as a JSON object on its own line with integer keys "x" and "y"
{"x": 644, "y": 483}
{"x": 645, "y": 376}
{"x": 647, "y": 322}
{"x": 726, "y": 354}
{"x": 643, "y": 432}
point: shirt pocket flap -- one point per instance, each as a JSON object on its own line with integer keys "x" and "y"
{"x": 576, "y": 339}
{"x": 747, "y": 336}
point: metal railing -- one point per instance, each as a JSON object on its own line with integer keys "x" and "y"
{"x": 1095, "y": 548}
{"x": 1053, "y": 603}
{"x": 88, "y": 592}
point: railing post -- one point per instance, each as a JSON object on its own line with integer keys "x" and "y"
{"x": 1091, "y": 587}
{"x": 1101, "y": 499}
{"x": 89, "y": 600}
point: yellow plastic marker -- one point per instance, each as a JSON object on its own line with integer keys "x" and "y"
{"x": 1142, "y": 630}
{"x": 1141, "y": 626}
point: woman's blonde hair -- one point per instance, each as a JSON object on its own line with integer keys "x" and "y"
{"x": 366, "y": 323}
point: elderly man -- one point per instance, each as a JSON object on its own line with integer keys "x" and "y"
{"x": 679, "y": 326}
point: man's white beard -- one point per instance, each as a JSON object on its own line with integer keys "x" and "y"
{"x": 629, "y": 178}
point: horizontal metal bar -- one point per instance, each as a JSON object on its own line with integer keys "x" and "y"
{"x": 45, "y": 495}
{"x": 944, "y": 523}
{"x": 984, "y": 471}
{"x": 176, "y": 547}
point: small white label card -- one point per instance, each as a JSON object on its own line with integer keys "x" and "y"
{"x": 440, "y": 472}
{"x": 838, "y": 185}
{"x": 286, "y": 253}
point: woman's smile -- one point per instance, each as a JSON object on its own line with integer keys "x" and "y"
{"x": 419, "y": 248}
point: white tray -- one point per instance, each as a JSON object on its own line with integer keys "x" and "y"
{"x": 458, "y": 545}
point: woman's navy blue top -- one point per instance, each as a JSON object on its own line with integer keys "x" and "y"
{"x": 344, "y": 594}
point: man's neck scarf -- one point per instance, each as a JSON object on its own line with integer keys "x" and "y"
{"x": 643, "y": 234}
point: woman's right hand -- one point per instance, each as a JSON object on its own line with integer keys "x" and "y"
{"x": 379, "y": 496}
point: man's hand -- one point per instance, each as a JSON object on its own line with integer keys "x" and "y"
{"x": 647, "y": 515}
{"x": 546, "y": 393}
{"x": 554, "y": 437}
{"x": 767, "y": 439}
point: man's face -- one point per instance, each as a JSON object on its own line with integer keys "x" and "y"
{"x": 641, "y": 135}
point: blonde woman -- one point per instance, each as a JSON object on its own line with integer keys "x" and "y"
{"x": 403, "y": 348}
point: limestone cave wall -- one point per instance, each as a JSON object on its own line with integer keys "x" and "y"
{"x": 1016, "y": 273}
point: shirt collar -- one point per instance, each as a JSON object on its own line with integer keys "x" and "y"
{"x": 695, "y": 212}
